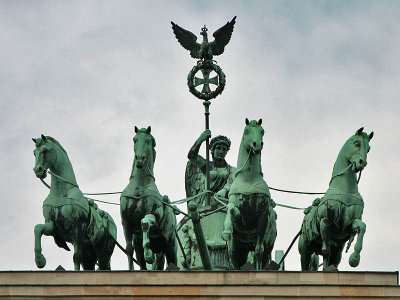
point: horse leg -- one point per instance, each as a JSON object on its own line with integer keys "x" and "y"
{"x": 138, "y": 246}
{"x": 336, "y": 255}
{"x": 305, "y": 254}
{"x": 159, "y": 261}
{"x": 266, "y": 257}
{"x": 89, "y": 257}
{"x": 104, "y": 251}
{"x": 325, "y": 236}
{"x": 171, "y": 252}
{"x": 129, "y": 245}
{"x": 239, "y": 252}
{"x": 359, "y": 227}
{"x": 40, "y": 229}
{"x": 147, "y": 222}
{"x": 259, "y": 249}
{"x": 78, "y": 245}
{"x": 234, "y": 212}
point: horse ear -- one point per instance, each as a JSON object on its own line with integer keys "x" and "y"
{"x": 43, "y": 138}
{"x": 34, "y": 140}
{"x": 148, "y": 130}
{"x": 136, "y": 129}
{"x": 247, "y": 121}
{"x": 371, "y": 135}
{"x": 359, "y": 131}
{"x": 259, "y": 122}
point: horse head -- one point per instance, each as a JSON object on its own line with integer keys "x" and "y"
{"x": 356, "y": 149}
{"x": 45, "y": 156}
{"x": 144, "y": 144}
{"x": 253, "y": 136}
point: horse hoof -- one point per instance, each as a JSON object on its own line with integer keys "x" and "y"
{"x": 325, "y": 252}
{"x": 149, "y": 257}
{"x": 226, "y": 236}
{"x": 40, "y": 260}
{"x": 331, "y": 268}
{"x": 354, "y": 259}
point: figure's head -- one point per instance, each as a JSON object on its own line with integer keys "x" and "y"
{"x": 144, "y": 144}
{"x": 253, "y": 136}
{"x": 45, "y": 156}
{"x": 219, "y": 147}
{"x": 356, "y": 149}
{"x": 204, "y": 31}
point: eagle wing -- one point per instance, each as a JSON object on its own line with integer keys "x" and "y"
{"x": 222, "y": 37}
{"x": 187, "y": 40}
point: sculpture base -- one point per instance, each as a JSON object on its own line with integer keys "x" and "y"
{"x": 198, "y": 284}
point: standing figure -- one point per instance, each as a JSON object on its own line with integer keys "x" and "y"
{"x": 336, "y": 218}
{"x": 189, "y": 247}
{"x": 221, "y": 173}
{"x": 149, "y": 224}
{"x": 250, "y": 223}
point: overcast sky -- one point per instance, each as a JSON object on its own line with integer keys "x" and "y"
{"x": 87, "y": 72}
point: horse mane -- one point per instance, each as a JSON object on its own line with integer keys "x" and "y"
{"x": 57, "y": 144}
{"x": 353, "y": 137}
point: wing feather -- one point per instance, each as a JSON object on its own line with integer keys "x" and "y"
{"x": 194, "y": 180}
{"x": 187, "y": 39}
{"x": 222, "y": 37}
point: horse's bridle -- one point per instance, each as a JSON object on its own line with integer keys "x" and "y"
{"x": 349, "y": 166}
{"x": 57, "y": 176}
{"x": 251, "y": 150}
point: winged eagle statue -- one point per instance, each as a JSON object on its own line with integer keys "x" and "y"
{"x": 205, "y": 50}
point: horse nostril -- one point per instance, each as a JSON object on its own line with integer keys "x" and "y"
{"x": 254, "y": 144}
{"x": 262, "y": 143}
{"x": 361, "y": 161}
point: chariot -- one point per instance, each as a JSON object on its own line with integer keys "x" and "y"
{"x": 231, "y": 218}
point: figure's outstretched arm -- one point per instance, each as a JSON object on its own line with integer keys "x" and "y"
{"x": 193, "y": 154}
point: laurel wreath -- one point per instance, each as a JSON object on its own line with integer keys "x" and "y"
{"x": 207, "y": 65}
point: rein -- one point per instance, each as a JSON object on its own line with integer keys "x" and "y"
{"x": 340, "y": 173}
{"x": 148, "y": 168}
{"x": 62, "y": 178}
{"x": 242, "y": 167}
{"x": 58, "y": 177}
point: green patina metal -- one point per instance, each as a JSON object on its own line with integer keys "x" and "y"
{"x": 205, "y": 53}
{"x": 250, "y": 223}
{"x": 336, "y": 218}
{"x": 221, "y": 173}
{"x": 149, "y": 223}
{"x": 209, "y": 244}
{"x": 231, "y": 218}
{"x": 69, "y": 216}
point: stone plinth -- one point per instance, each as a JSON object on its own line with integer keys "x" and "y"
{"x": 199, "y": 285}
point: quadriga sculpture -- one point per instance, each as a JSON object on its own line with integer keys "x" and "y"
{"x": 250, "y": 219}
{"x": 336, "y": 218}
{"x": 149, "y": 225}
{"x": 69, "y": 216}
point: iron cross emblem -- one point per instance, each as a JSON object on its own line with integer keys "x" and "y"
{"x": 206, "y": 81}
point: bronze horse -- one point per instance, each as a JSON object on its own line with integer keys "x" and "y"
{"x": 250, "y": 219}
{"x": 337, "y": 217}
{"x": 149, "y": 225}
{"x": 69, "y": 216}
